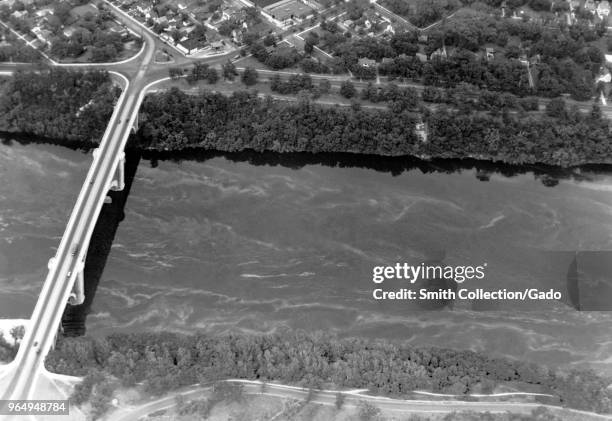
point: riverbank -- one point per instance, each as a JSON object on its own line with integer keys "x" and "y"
{"x": 59, "y": 106}
{"x": 549, "y": 175}
{"x": 174, "y": 121}
{"x": 393, "y": 369}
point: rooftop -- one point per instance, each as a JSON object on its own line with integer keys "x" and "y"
{"x": 288, "y": 10}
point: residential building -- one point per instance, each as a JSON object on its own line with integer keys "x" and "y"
{"x": 69, "y": 31}
{"x": 590, "y": 6}
{"x": 19, "y": 14}
{"x": 440, "y": 53}
{"x": 286, "y": 12}
{"x": 603, "y": 8}
{"x": 43, "y": 35}
{"x": 366, "y": 62}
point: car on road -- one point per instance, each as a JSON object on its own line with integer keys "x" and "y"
{"x": 74, "y": 250}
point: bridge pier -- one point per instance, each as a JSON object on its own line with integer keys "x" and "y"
{"x": 77, "y": 295}
{"x": 118, "y": 182}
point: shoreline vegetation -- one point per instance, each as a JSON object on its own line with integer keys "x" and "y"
{"x": 73, "y": 108}
{"x": 164, "y": 361}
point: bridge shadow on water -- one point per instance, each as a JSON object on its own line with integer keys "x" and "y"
{"x": 74, "y": 317}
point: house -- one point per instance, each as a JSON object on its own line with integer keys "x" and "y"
{"x": 366, "y": 62}
{"x": 387, "y": 60}
{"x": 69, "y": 31}
{"x": 420, "y": 130}
{"x": 286, "y": 12}
{"x": 422, "y": 57}
{"x": 119, "y": 30}
{"x": 191, "y": 46}
{"x": 440, "y": 53}
{"x": 182, "y": 49}
{"x": 181, "y": 6}
{"x": 389, "y": 30}
{"x": 489, "y": 53}
{"x": 187, "y": 29}
{"x": 19, "y": 14}
{"x": 348, "y": 23}
{"x": 590, "y": 6}
{"x": 604, "y": 76}
{"x": 43, "y": 12}
{"x": 237, "y": 36}
{"x": 603, "y": 8}
{"x": 43, "y": 35}
{"x": 217, "y": 45}
{"x": 423, "y": 39}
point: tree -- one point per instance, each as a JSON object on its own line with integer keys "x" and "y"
{"x": 340, "y": 398}
{"x": 175, "y": 72}
{"x": 17, "y": 333}
{"x": 212, "y": 77}
{"x": 249, "y": 76}
{"x": 347, "y": 89}
{"x": 324, "y": 86}
{"x": 367, "y": 411}
{"x": 229, "y": 70}
{"x": 595, "y": 112}
{"x": 308, "y": 47}
{"x": 556, "y": 108}
{"x": 269, "y": 40}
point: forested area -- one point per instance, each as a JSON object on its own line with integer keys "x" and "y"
{"x": 165, "y": 361}
{"x": 176, "y": 121}
{"x": 58, "y": 104}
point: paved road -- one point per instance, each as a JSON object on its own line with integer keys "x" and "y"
{"x": 352, "y": 399}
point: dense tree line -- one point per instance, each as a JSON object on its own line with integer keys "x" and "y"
{"x": 293, "y": 85}
{"x": 176, "y": 121}
{"x": 469, "y": 97}
{"x": 58, "y": 103}
{"x": 396, "y": 97}
{"x": 165, "y": 361}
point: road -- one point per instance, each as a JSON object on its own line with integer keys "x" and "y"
{"x": 352, "y": 399}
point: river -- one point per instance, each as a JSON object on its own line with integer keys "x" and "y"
{"x": 223, "y": 245}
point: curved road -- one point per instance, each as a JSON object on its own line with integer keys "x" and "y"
{"x": 352, "y": 399}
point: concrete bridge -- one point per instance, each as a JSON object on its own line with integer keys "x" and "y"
{"x": 26, "y": 378}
